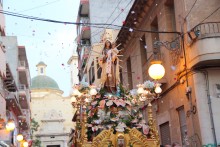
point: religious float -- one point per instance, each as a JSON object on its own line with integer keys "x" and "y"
{"x": 109, "y": 115}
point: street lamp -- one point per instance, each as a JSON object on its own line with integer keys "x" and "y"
{"x": 148, "y": 92}
{"x": 80, "y": 100}
{"x": 10, "y": 126}
{"x": 25, "y": 144}
{"x": 156, "y": 70}
{"x": 20, "y": 137}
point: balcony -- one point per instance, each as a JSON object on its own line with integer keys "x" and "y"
{"x": 2, "y": 60}
{"x": 205, "y": 51}
{"x": 24, "y": 96}
{"x": 84, "y": 29}
{"x": 23, "y": 73}
{"x": 25, "y": 120}
{"x": 9, "y": 81}
{"x": 84, "y": 8}
{"x": 12, "y": 103}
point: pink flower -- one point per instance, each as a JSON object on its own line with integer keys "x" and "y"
{"x": 94, "y": 103}
{"x": 117, "y": 102}
{"x": 109, "y": 103}
{"x": 121, "y": 102}
{"x": 145, "y": 129}
{"x": 98, "y": 96}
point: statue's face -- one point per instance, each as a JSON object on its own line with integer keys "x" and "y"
{"x": 107, "y": 44}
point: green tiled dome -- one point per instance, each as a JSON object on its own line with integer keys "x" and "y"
{"x": 43, "y": 82}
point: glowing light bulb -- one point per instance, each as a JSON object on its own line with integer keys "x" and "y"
{"x": 156, "y": 71}
{"x": 10, "y": 126}
{"x": 20, "y": 137}
{"x": 25, "y": 144}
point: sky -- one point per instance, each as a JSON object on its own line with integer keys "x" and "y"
{"x": 45, "y": 41}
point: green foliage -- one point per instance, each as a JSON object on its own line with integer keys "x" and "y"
{"x": 36, "y": 143}
{"x": 34, "y": 128}
{"x": 34, "y": 125}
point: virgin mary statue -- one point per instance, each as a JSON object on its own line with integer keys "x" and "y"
{"x": 110, "y": 67}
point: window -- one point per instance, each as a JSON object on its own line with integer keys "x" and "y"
{"x": 143, "y": 50}
{"x": 41, "y": 70}
{"x": 129, "y": 73}
{"x": 165, "y": 133}
{"x": 182, "y": 120}
{"x": 155, "y": 36}
{"x": 170, "y": 15}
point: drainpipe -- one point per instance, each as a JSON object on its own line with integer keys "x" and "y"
{"x": 210, "y": 106}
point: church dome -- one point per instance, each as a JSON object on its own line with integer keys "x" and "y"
{"x": 43, "y": 82}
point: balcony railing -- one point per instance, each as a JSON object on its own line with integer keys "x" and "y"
{"x": 24, "y": 74}
{"x": 205, "y": 51}
{"x": 24, "y": 96}
{"x": 210, "y": 29}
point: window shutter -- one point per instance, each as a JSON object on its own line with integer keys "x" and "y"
{"x": 165, "y": 133}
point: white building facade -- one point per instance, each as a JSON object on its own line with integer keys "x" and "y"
{"x": 50, "y": 110}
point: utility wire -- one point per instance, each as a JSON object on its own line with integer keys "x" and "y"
{"x": 97, "y": 25}
{"x": 190, "y": 9}
{"x": 209, "y": 15}
{"x": 113, "y": 20}
{"x": 110, "y": 15}
{"x": 38, "y": 6}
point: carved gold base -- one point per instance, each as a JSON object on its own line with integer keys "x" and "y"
{"x": 132, "y": 139}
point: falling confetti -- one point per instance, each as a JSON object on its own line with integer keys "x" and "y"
{"x": 173, "y": 67}
{"x": 122, "y": 10}
{"x": 131, "y": 30}
{"x": 132, "y": 12}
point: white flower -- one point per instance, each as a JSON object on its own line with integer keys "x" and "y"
{"x": 120, "y": 127}
{"x": 109, "y": 126}
{"x": 97, "y": 121}
{"x": 84, "y": 84}
{"x": 140, "y": 115}
{"x": 128, "y": 102}
{"x": 122, "y": 124}
{"x": 142, "y": 121}
{"x": 109, "y": 103}
{"x": 134, "y": 120}
{"x": 114, "y": 119}
{"x": 133, "y": 92}
{"x": 95, "y": 128}
{"x": 149, "y": 85}
{"x": 89, "y": 125}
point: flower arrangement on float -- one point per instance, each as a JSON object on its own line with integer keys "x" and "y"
{"x": 118, "y": 111}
